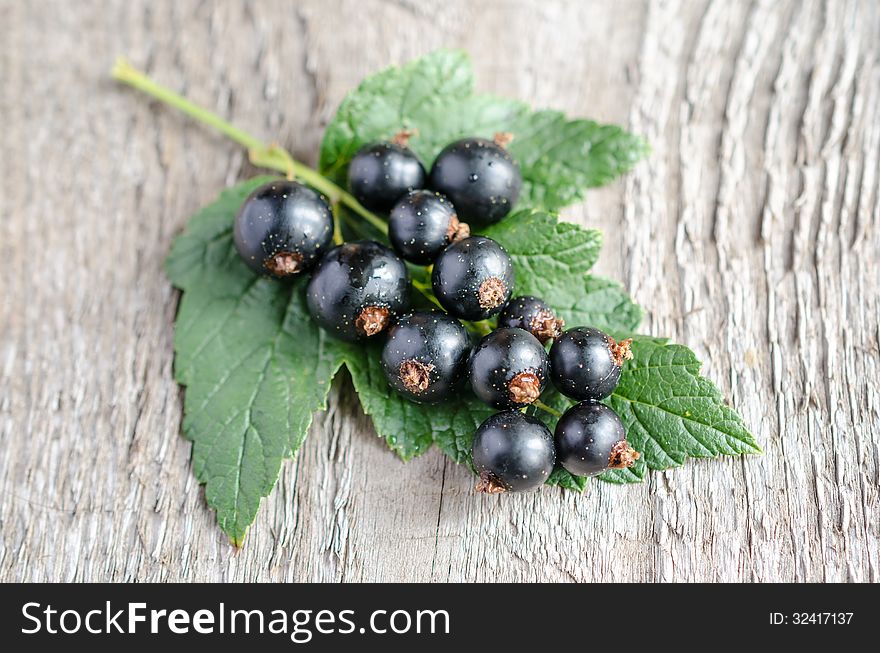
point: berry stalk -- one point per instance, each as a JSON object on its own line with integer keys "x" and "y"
{"x": 483, "y": 327}
{"x": 337, "y": 224}
{"x": 271, "y": 156}
{"x": 547, "y": 409}
{"x": 425, "y": 289}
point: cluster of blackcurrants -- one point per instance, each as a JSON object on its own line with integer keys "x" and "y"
{"x": 360, "y": 289}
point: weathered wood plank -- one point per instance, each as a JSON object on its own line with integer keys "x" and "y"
{"x": 750, "y": 234}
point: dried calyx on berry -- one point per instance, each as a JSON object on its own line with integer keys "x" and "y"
{"x": 590, "y": 439}
{"x": 372, "y": 320}
{"x": 586, "y": 363}
{"x": 473, "y": 278}
{"x": 533, "y": 315}
{"x": 512, "y": 452}
{"x": 283, "y": 228}
{"x": 415, "y": 376}
{"x": 491, "y": 293}
{"x": 425, "y": 356}
{"x": 508, "y": 368}
{"x": 357, "y": 290}
{"x": 422, "y": 224}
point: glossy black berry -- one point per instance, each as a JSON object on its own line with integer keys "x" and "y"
{"x": 358, "y": 289}
{"x": 381, "y": 173}
{"x": 585, "y": 363}
{"x": 512, "y": 452}
{"x": 283, "y": 228}
{"x": 533, "y": 315}
{"x": 473, "y": 278}
{"x": 509, "y": 368}
{"x": 480, "y": 178}
{"x": 590, "y": 438}
{"x": 425, "y": 355}
{"x": 422, "y": 224}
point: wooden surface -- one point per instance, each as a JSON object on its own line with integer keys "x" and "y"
{"x": 751, "y": 234}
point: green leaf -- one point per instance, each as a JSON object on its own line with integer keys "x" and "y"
{"x": 551, "y": 259}
{"x": 412, "y": 96}
{"x": 544, "y": 249}
{"x": 671, "y": 413}
{"x": 254, "y": 365}
{"x": 567, "y": 481}
{"x": 409, "y": 428}
{"x": 634, "y": 474}
{"x": 559, "y": 158}
{"x": 596, "y": 302}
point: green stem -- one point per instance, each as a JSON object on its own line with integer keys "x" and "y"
{"x": 483, "y": 327}
{"x": 128, "y": 74}
{"x": 547, "y": 409}
{"x": 260, "y": 154}
{"x": 337, "y": 225}
{"x": 427, "y": 291}
{"x": 372, "y": 218}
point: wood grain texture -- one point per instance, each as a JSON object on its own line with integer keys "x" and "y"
{"x": 750, "y": 234}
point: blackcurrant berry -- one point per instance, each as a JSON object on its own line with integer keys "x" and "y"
{"x": 509, "y": 368}
{"x": 480, "y": 178}
{"x": 425, "y": 355}
{"x": 422, "y": 223}
{"x": 585, "y": 363}
{"x": 590, "y": 438}
{"x": 358, "y": 289}
{"x": 533, "y": 315}
{"x": 473, "y": 278}
{"x": 283, "y": 228}
{"x": 382, "y": 173}
{"x": 512, "y": 452}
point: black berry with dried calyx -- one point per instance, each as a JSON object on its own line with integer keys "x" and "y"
{"x": 422, "y": 224}
{"x": 381, "y": 173}
{"x": 585, "y": 363}
{"x": 283, "y": 228}
{"x": 590, "y": 439}
{"x": 509, "y": 368}
{"x": 358, "y": 289}
{"x": 479, "y": 176}
{"x": 512, "y": 452}
{"x": 425, "y": 356}
{"x": 533, "y": 315}
{"x": 473, "y": 278}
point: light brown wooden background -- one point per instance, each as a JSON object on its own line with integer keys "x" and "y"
{"x": 751, "y": 234}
